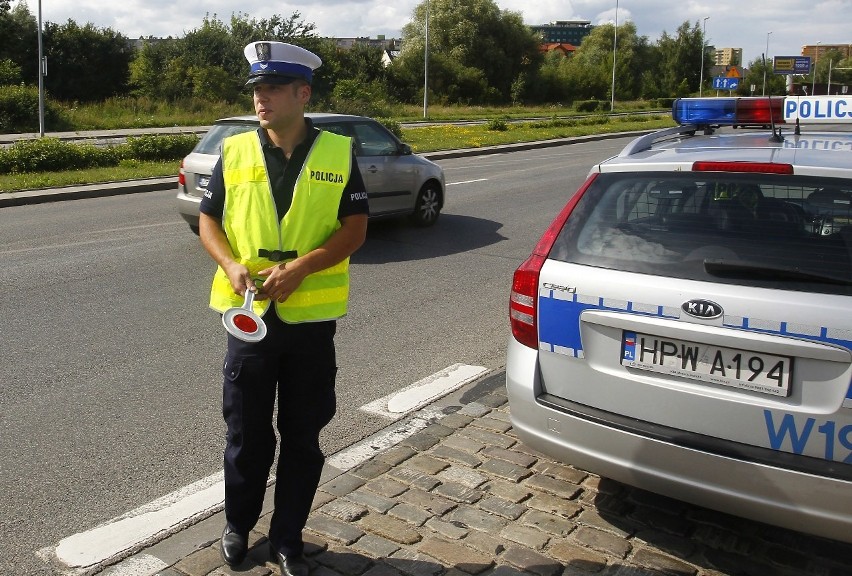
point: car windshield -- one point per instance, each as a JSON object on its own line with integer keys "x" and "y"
{"x": 751, "y": 229}
{"x": 212, "y": 141}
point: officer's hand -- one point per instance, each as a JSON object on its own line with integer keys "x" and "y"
{"x": 281, "y": 281}
{"x": 241, "y": 280}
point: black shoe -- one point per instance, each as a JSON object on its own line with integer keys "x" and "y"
{"x": 292, "y": 565}
{"x": 234, "y": 547}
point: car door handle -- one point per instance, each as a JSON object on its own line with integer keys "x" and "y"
{"x": 372, "y": 169}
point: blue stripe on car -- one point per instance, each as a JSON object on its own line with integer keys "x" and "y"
{"x": 559, "y": 323}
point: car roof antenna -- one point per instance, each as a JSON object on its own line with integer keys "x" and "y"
{"x": 776, "y": 136}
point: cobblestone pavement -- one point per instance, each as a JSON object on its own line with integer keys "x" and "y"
{"x": 464, "y": 496}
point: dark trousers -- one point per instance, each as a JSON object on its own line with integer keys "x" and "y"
{"x": 296, "y": 361}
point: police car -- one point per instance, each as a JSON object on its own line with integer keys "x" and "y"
{"x": 685, "y": 323}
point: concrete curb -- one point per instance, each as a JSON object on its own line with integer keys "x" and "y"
{"x": 40, "y": 196}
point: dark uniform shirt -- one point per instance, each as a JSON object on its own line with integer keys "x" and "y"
{"x": 282, "y": 177}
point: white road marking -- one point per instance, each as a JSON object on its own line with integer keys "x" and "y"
{"x": 399, "y": 403}
{"x": 134, "y": 530}
{"x": 128, "y": 534}
{"x": 467, "y": 181}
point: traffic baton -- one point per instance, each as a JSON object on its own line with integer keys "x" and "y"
{"x": 242, "y": 323}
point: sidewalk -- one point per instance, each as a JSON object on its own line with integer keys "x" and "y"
{"x": 464, "y": 496}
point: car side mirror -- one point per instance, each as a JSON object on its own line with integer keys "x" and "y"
{"x": 404, "y": 150}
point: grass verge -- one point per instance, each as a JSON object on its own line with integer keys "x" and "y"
{"x": 422, "y": 139}
{"x": 125, "y": 171}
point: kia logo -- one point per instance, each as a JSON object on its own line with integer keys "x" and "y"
{"x": 705, "y": 309}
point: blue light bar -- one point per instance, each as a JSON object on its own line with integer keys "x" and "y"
{"x": 728, "y": 111}
{"x": 705, "y": 111}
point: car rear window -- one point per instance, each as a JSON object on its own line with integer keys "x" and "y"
{"x": 759, "y": 230}
{"x": 212, "y": 141}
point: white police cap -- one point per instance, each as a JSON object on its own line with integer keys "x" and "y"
{"x": 279, "y": 63}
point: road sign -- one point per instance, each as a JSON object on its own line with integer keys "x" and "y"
{"x": 792, "y": 65}
{"x": 725, "y": 83}
{"x": 733, "y": 72}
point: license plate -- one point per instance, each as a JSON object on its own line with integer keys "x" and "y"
{"x": 745, "y": 369}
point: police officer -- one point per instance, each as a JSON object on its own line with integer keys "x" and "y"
{"x": 286, "y": 207}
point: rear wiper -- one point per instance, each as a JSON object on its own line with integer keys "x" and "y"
{"x": 720, "y": 267}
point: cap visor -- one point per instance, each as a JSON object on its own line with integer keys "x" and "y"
{"x": 272, "y": 79}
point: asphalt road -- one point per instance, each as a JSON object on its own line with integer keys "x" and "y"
{"x": 112, "y": 360}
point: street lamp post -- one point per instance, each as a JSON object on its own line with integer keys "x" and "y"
{"x": 426, "y": 65}
{"x": 813, "y": 79}
{"x": 614, "y": 44}
{"x": 40, "y": 77}
{"x": 703, "y": 52}
{"x": 765, "y": 54}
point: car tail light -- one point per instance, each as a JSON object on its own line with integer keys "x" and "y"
{"x": 524, "y": 297}
{"x": 181, "y": 176}
{"x": 762, "y": 167}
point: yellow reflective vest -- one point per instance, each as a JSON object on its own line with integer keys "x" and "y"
{"x": 253, "y": 227}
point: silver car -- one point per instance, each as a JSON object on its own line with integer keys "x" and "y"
{"x": 685, "y": 324}
{"x": 398, "y": 182}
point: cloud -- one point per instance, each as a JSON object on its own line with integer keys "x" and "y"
{"x": 732, "y": 23}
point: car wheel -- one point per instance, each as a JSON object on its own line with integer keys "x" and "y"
{"x": 428, "y": 205}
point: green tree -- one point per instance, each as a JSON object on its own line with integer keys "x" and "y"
{"x": 551, "y": 82}
{"x": 86, "y": 64}
{"x": 680, "y": 59}
{"x": 357, "y": 79}
{"x": 826, "y": 64}
{"x": 472, "y": 35}
{"x": 841, "y": 75}
{"x": 208, "y": 62}
{"x": 19, "y": 39}
{"x": 776, "y": 84}
{"x": 149, "y": 69}
{"x": 590, "y": 70}
{"x": 10, "y": 73}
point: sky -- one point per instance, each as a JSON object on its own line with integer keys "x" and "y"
{"x": 785, "y": 25}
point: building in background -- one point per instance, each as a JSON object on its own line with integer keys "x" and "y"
{"x": 139, "y": 43}
{"x": 816, "y": 51}
{"x": 563, "y": 31}
{"x": 378, "y": 42}
{"x": 728, "y": 57}
{"x": 563, "y": 47}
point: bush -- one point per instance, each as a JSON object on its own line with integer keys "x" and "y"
{"x": 51, "y": 154}
{"x": 10, "y": 73}
{"x": 593, "y": 121}
{"x": 392, "y": 125}
{"x": 19, "y": 111}
{"x": 591, "y": 106}
{"x": 155, "y": 148}
{"x": 497, "y": 125}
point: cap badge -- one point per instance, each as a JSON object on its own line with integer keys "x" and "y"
{"x": 264, "y": 51}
